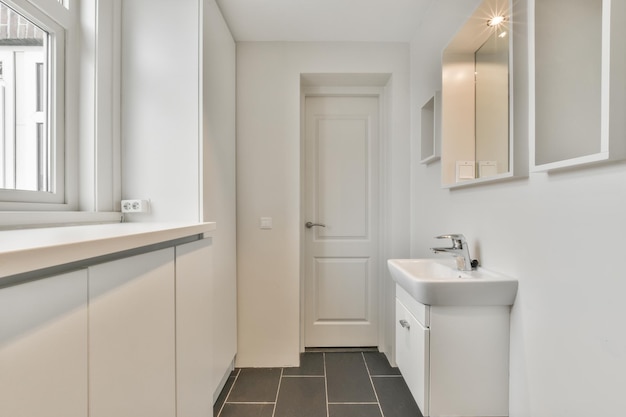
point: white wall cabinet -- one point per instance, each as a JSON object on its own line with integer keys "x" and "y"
{"x": 455, "y": 360}
{"x": 132, "y": 337}
{"x": 43, "y": 347}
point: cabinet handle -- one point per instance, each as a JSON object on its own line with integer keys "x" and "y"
{"x": 405, "y": 324}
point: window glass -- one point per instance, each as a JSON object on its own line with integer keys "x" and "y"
{"x": 24, "y": 96}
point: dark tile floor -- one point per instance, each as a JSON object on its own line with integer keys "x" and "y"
{"x": 327, "y": 384}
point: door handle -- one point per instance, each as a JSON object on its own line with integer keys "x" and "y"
{"x": 311, "y": 224}
{"x": 405, "y": 324}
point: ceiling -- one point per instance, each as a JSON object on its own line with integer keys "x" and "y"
{"x": 323, "y": 20}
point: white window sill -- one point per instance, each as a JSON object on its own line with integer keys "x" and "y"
{"x": 27, "y": 250}
{"x": 29, "y": 219}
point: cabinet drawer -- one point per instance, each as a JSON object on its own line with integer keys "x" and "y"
{"x": 420, "y": 311}
{"x": 413, "y": 355}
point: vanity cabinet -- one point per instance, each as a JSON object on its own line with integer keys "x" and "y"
{"x": 43, "y": 347}
{"x": 455, "y": 359}
{"x": 412, "y": 353}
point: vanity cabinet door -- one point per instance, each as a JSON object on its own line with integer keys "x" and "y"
{"x": 43, "y": 347}
{"x": 412, "y": 355}
{"x": 132, "y": 337}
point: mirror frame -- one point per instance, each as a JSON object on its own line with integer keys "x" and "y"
{"x": 607, "y": 141}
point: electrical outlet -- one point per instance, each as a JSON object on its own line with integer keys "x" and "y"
{"x": 135, "y": 206}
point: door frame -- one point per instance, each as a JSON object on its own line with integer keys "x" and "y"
{"x": 379, "y": 91}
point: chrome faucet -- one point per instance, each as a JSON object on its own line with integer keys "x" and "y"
{"x": 459, "y": 250}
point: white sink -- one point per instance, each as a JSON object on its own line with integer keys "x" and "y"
{"x": 439, "y": 282}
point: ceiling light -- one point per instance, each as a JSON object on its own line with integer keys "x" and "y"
{"x": 495, "y": 21}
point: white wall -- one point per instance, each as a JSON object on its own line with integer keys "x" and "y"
{"x": 160, "y": 107}
{"x": 559, "y": 234}
{"x": 268, "y": 181}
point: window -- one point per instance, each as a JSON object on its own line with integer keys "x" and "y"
{"x": 31, "y": 105}
{"x": 74, "y": 96}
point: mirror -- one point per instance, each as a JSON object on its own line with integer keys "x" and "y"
{"x": 476, "y": 99}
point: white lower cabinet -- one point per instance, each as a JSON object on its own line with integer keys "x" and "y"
{"x": 132, "y": 337}
{"x": 455, "y": 360}
{"x": 148, "y": 335}
{"x": 194, "y": 329}
{"x": 412, "y": 355}
{"x": 43, "y": 347}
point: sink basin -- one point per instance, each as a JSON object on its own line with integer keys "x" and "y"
{"x": 439, "y": 282}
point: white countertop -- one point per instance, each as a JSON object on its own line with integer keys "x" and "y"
{"x": 28, "y": 250}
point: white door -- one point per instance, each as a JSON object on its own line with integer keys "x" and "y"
{"x": 341, "y": 193}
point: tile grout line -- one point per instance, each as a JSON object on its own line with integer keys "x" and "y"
{"x": 219, "y": 413}
{"x": 252, "y": 402}
{"x": 280, "y": 381}
{"x": 326, "y": 385}
{"x": 372, "y": 382}
{"x": 353, "y": 403}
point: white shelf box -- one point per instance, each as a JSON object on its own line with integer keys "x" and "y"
{"x": 431, "y": 130}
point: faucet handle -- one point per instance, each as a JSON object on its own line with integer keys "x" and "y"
{"x": 458, "y": 240}
{"x": 453, "y": 236}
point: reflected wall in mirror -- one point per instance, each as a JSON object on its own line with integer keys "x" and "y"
{"x": 476, "y": 108}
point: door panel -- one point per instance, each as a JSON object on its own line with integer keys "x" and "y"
{"x": 341, "y": 289}
{"x": 341, "y": 176}
{"x": 341, "y": 188}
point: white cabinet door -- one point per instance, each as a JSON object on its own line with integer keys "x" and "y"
{"x": 194, "y": 326}
{"x": 224, "y": 315}
{"x": 43, "y": 347}
{"x": 132, "y": 337}
{"x": 412, "y": 355}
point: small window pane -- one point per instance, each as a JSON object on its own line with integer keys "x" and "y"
{"x": 40, "y": 87}
{"x": 24, "y": 138}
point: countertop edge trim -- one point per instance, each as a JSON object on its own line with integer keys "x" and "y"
{"x": 118, "y": 238}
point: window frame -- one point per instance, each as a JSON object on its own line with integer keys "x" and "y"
{"x": 92, "y": 103}
{"x": 45, "y": 14}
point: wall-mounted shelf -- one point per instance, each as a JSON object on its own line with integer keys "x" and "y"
{"x": 577, "y": 82}
{"x": 431, "y": 130}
